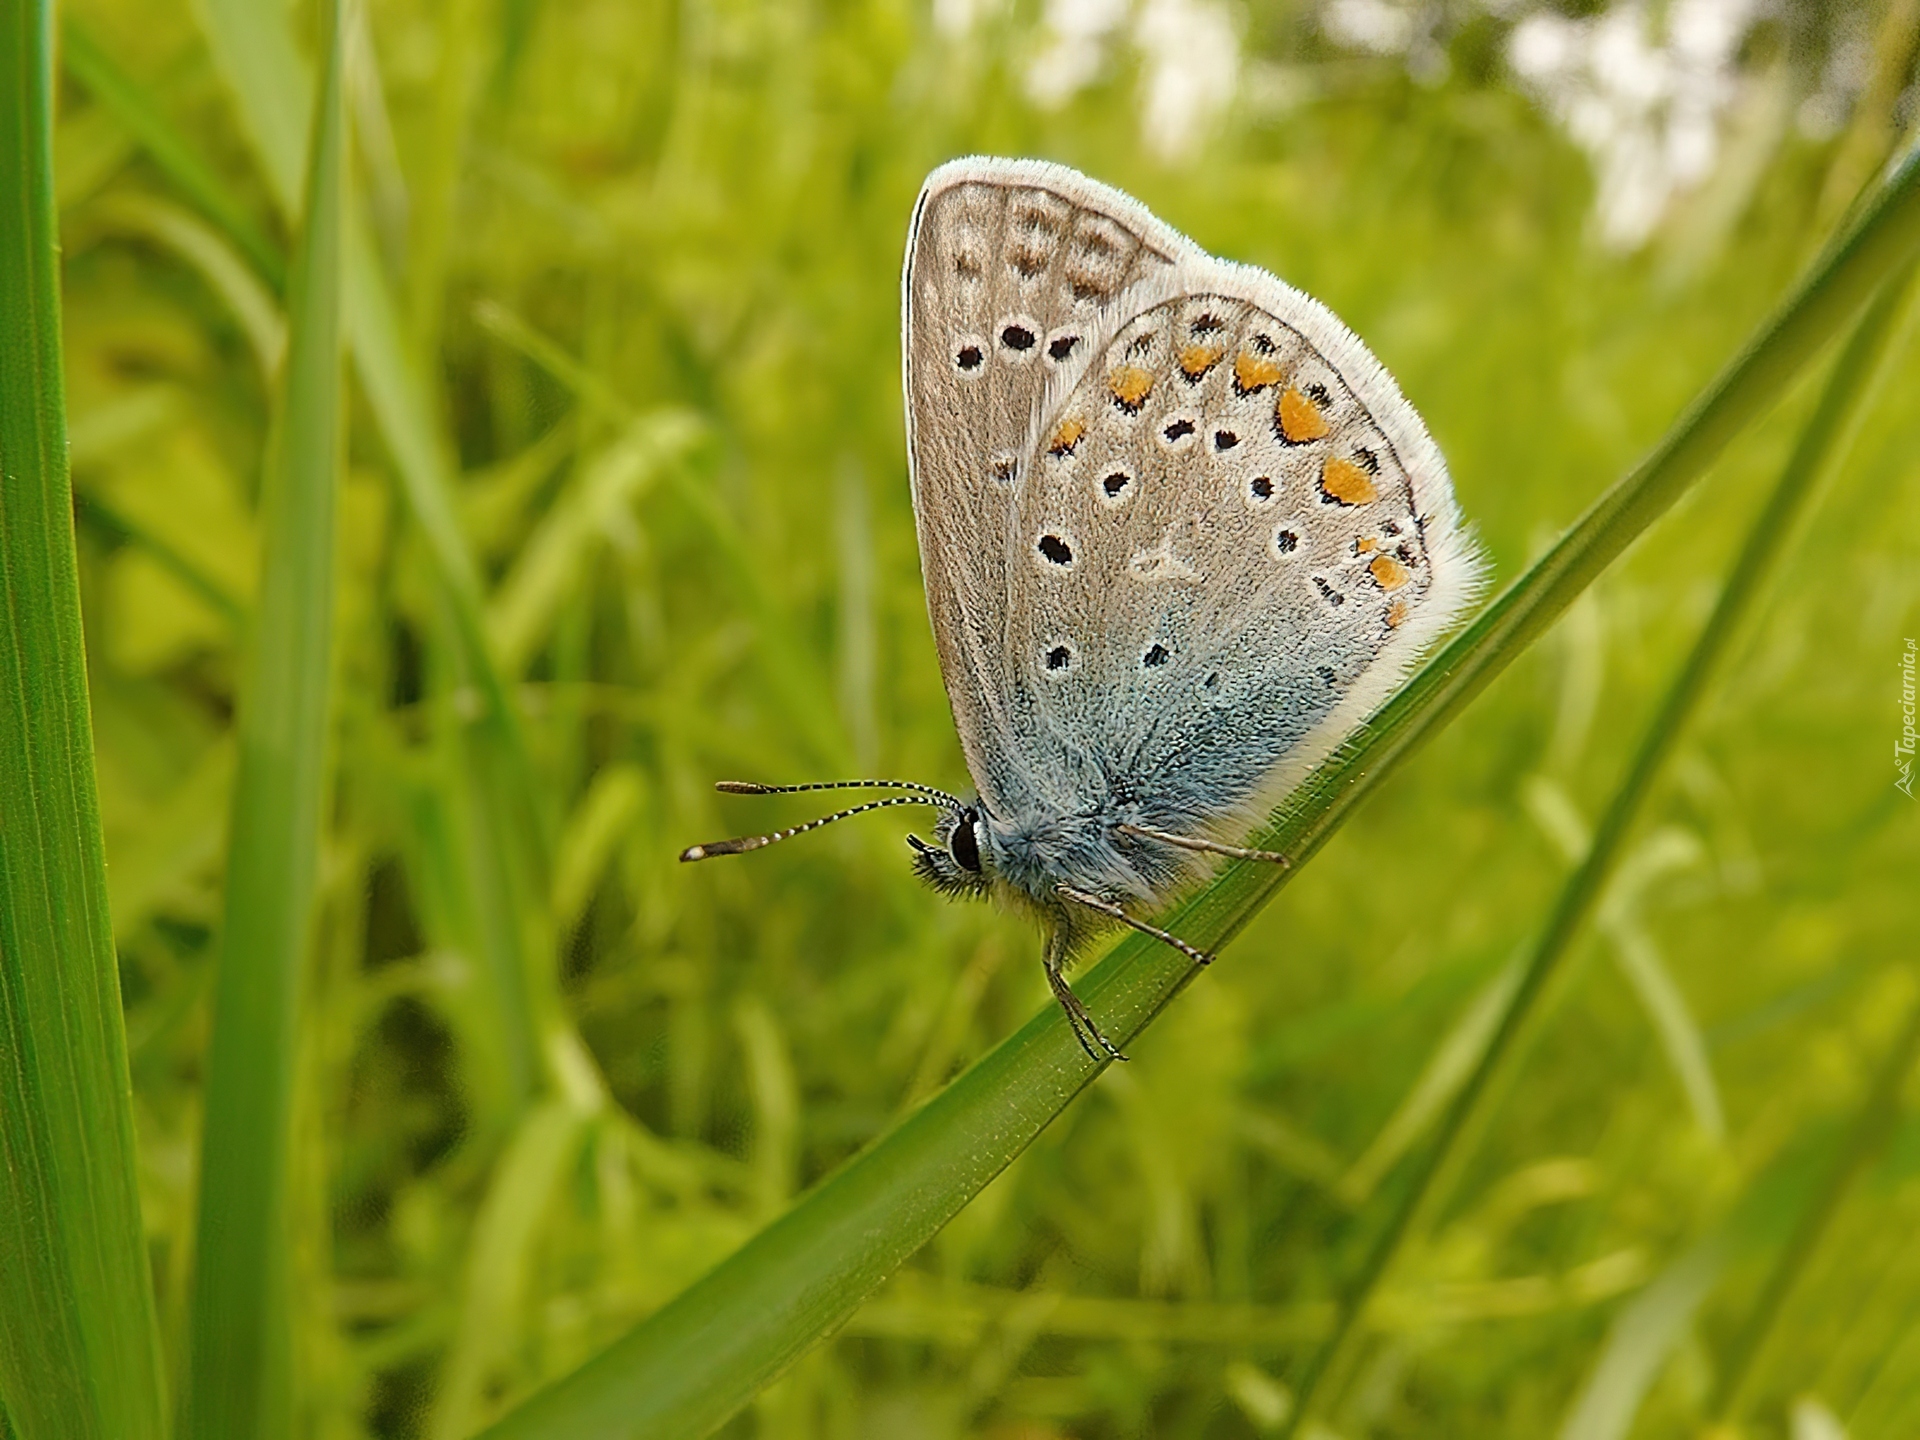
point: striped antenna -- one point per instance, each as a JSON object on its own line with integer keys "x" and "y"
{"x": 755, "y": 842}
{"x": 749, "y": 787}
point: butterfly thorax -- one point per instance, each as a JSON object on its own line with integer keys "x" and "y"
{"x": 1038, "y": 849}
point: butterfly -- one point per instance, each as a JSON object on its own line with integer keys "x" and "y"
{"x": 1180, "y": 534}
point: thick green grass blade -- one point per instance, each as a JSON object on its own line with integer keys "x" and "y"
{"x": 1847, "y": 390}
{"x": 79, "y": 1349}
{"x": 697, "y": 1361}
{"x": 240, "y": 1380}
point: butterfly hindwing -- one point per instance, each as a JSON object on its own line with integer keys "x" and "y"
{"x": 1234, "y": 539}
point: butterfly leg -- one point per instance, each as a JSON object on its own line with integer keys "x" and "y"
{"x": 1084, "y": 1030}
{"x": 1209, "y": 847}
{"x": 1107, "y": 907}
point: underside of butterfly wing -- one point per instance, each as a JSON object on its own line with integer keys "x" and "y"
{"x": 1181, "y": 532}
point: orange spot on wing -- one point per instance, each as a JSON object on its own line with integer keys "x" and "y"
{"x": 1348, "y": 483}
{"x": 1066, "y": 437}
{"x": 1396, "y": 614}
{"x": 1300, "y": 418}
{"x": 1254, "y": 372}
{"x": 1131, "y": 385}
{"x": 1366, "y": 545}
{"x": 1389, "y": 572}
{"x": 1197, "y": 360}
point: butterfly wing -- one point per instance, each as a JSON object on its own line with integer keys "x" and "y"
{"x": 1012, "y": 267}
{"x": 1234, "y": 538}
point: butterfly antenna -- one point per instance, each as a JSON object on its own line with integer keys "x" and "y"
{"x": 755, "y": 842}
{"x": 749, "y": 787}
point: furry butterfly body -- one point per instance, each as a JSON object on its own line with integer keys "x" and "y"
{"x": 1180, "y": 533}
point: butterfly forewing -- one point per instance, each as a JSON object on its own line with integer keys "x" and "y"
{"x": 1012, "y": 268}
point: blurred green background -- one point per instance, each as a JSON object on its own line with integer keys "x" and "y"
{"x": 649, "y": 254}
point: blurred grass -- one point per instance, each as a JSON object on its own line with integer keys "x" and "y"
{"x": 551, "y": 1078}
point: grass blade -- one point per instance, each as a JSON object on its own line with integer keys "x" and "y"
{"x": 240, "y": 1381}
{"x": 79, "y": 1347}
{"x": 253, "y": 45}
{"x": 1870, "y": 1129}
{"x": 1848, "y": 386}
{"x": 129, "y": 103}
{"x": 1641, "y": 1340}
{"x": 254, "y": 308}
{"x": 558, "y": 551}
{"x": 698, "y": 1360}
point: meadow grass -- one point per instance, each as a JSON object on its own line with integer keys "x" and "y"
{"x": 622, "y": 510}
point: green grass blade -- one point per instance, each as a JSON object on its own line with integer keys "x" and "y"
{"x": 253, "y": 45}
{"x": 79, "y": 1347}
{"x": 199, "y": 245}
{"x": 240, "y": 1383}
{"x": 129, "y": 103}
{"x": 698, "y": 1360}
{"x": 559, "y": 549}
{"x": 1871, "y": 1127}
{"x": 1847, "y": 388}
{"x": 1642, "y": 1339}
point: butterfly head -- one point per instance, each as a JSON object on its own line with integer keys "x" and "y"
{"x": 956, "y": 863}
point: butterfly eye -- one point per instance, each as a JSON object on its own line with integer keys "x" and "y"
{"x": 964, "y": 845}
